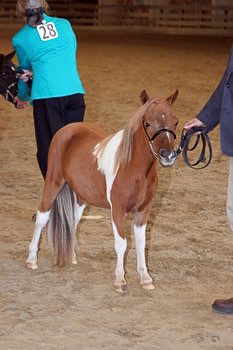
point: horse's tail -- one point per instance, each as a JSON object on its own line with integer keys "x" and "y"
{"x": 61, "y": 227}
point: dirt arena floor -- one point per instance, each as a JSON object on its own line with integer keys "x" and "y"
{"x": 189, "y": 242}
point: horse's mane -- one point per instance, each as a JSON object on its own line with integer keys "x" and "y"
{"x": 124, "y": 150}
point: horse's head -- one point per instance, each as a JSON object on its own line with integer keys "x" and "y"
{"x": 8, "y": 77}
{"x": 159, "y": 122}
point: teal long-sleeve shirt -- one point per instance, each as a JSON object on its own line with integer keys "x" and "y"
{"x": 50, "y": 52}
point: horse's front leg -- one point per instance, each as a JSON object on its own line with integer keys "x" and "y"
{"x": 120, "y": 248}
{"x": 41, "y": 221}
{"x": 140, "y": 243}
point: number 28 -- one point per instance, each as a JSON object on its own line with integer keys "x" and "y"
{"x": 47, "y": 31}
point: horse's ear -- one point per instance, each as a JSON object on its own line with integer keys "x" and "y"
{"x": 144, "y": 97}
{"x": 171, "y": 99}
{"x": 10, "y": 56}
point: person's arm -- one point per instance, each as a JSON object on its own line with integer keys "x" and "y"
{"x": 23, "y": 91}
{"x": 74, "y": 36}
{"x": 210, "y": 114}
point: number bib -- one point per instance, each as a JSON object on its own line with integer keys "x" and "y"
{"x": 47, "y": 31}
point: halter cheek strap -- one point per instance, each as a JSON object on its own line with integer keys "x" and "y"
{"x": 9, "y": 93}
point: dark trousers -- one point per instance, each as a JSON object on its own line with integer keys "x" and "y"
{"x": 50, "y": 115}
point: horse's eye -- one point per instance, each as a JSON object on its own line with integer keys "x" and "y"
{"x": 176, "y": 124}
{"x": 147, "y": 124}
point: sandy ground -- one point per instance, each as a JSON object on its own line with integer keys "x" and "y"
{"x": 189, "y": 242}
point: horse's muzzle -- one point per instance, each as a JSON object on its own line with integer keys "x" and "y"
{"x": 167, "y": 158}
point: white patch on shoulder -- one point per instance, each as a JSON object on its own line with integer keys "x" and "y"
{"x": 106, "y": 161}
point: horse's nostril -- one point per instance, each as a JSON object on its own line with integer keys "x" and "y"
{"x": 161, "y": 153}
{"x": 174, "y": 154}
{"x": 164, "y": 153}
{"x": 167, "y": 154}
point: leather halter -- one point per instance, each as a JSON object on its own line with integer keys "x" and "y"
{"x": 10, "y": 91}
{"x": 160, "y": 131}
{"x": 151, "y": 139}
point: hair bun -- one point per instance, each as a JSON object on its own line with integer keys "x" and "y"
{"x": 34, "y": 16}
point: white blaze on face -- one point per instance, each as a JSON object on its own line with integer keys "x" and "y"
{"x": 106, "y": 161}
{"x": 170, "y": 159}
{"x": 169, "y": 135}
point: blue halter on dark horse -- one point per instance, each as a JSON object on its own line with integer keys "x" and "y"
{"x": 9, "y": 75}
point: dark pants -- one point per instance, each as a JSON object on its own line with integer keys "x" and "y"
{"x": 50, "y": 115}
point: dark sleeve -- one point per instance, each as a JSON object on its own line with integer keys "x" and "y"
{"x": 210, "y": 114}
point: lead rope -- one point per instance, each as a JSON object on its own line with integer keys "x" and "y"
{"x": 186, "y": 137}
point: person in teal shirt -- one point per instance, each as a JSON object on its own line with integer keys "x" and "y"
{"x": 46, "y": 50}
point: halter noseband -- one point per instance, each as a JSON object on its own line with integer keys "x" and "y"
{"x": 151, "y": 139}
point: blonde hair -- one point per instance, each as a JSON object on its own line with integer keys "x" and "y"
{"x": 22, "y": 5}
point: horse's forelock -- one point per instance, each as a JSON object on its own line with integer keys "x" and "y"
{"x": 136, "y": 120}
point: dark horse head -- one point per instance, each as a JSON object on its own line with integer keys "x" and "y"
{"x": 8, "y": 77}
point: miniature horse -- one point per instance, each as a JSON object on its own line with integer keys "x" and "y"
{"x": 86, "y": 166}
{"x": 8, "y": 77}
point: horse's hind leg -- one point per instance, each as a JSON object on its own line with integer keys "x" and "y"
{"x": 78, "y": 212}
{"x": 41, "y": 221}
{"x": 51, "y": 189}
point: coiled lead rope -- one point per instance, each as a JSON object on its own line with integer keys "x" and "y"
{"x": 202, "y": 136}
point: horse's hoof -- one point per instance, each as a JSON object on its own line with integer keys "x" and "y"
{"x": 74, "y": 261}
{"x": 32, "y": 265}
{"x": 120, "y": 288}
{"x": 34, "y": 217}
{"x": 148, "y": 285}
